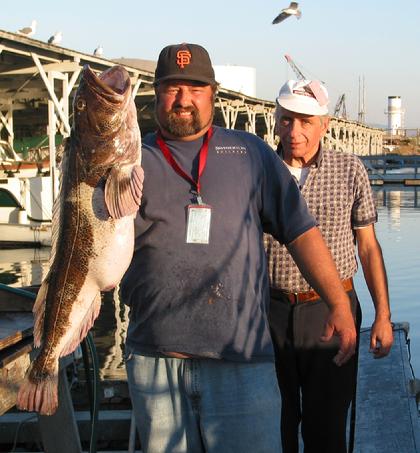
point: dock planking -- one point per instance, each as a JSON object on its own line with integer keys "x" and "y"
{"x": 14, "y": 327}
{"x": 387, "y": 417}
{"x": 59, "y": 431}
{"x": 16, "y": 353}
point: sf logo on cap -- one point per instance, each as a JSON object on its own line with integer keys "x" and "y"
{"x": 183, "y": 58}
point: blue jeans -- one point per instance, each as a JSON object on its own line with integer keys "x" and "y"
{"x": 204, "y": 405}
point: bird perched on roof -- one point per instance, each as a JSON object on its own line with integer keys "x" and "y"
{"x": 55, "y": 38}
{"x": 291, "y": 10}
{"x": 98, "y": 52}
{"x": 28, "y": 31}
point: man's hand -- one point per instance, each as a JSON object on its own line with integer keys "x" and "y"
{"x": 340, "y": 323}
{"x": 370, "y": 254}
{"x": 317, "y": 266}
{"x": 381, "y": 338}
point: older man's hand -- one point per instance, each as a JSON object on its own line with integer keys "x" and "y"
{"x": 340, "y": 323}
{"x": 381, "y": 338}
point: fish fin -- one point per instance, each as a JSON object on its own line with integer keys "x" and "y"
{"x": 56, "y": 224}
{"x": 123, "y": 190}
{"x": 39, "y": 312}
{"x": 40, "y": 396}
{"x": 87, "y": 323}
{"x": 57, "y": 209}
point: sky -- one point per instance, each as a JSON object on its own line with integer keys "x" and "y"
{"x": 337, "y": 42}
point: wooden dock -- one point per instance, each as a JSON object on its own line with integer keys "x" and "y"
{"x": 393, "y": 169}
{"x": 67, "y": 430}
{"x": 16, "y": 323}
{"x": 406, "y": 179}
{"x": 387, "y": 416}
{"x": 16, "y": 353}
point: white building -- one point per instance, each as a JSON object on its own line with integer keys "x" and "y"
{"x": 242, "y": 79}
{"x": 395, "y": 115}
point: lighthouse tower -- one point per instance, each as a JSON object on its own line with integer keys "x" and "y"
{"x": 395, "y": 115}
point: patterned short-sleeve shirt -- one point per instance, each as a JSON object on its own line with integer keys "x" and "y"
{"x": 338, "y": 194}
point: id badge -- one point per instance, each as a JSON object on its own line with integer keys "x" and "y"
{"x": 198, "y": 224}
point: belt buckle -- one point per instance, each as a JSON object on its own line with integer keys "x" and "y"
{"x": 306, "y": 296}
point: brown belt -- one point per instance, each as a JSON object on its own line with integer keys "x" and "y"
{"x": 307, "y": 296}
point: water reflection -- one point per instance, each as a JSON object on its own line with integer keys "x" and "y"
{"x": 24, "y": 267}
{"x": 109, "y": 333}
{"x": 397, "y": 196}
{"x": 398, "y": 233}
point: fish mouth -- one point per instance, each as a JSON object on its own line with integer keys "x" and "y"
{"x": 116, "y": 78}
{"x": 111, "y": 84}
{"x": 103, "y": 100}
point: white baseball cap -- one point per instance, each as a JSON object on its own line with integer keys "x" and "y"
{"x": 304, "y": 96}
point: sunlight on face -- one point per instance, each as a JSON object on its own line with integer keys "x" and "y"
{"x": 300, "y": 134}
{"x": 184, "y": 108}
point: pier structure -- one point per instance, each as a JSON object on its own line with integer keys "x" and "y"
{"x": 353, "y": 137}
{"x": 393, "y": 169}
{"x": 38, "y": 81}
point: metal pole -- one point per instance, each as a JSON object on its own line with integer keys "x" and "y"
{"x": 10, "y": 138}
{"x": 52, "y": 121}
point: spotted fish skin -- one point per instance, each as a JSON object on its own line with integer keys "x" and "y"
{"x": 93, "y": 226}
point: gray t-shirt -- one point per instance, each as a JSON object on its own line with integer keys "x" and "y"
{"x": 209, "y": 300}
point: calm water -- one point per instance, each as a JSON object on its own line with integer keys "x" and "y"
{"x": 398, "y": 230}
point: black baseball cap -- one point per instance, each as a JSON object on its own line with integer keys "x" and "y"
{"x": 184, "y": 62}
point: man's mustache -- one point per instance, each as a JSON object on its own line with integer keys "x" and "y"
{"x": 191, "y": 109}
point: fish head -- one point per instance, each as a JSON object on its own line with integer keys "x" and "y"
{"x": 105, "y": 118}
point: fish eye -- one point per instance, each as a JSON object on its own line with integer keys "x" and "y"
{"x": 80, "y": 104}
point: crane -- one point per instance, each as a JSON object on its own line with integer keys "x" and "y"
{"x": 296, "y": 70}
{"x": 341, "y": 107}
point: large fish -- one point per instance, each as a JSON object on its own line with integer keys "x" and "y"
{"x": 93, "y": 228}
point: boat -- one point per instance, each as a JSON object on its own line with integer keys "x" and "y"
{"x": 20, "y": 225}
{"x": 26, "y": 198}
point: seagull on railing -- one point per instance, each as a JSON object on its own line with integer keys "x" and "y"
{"x": 56, "y": 38}
{"x": 291, "y": 10}
{"x": 98, "y": 52}
{"x": 28, "y": 31}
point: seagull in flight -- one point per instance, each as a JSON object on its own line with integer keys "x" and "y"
{"x": 28, "y": 31}
{"x": 98, "y": 52}
{"x": 55, "y": 38}
{"x": 291, "y": 10}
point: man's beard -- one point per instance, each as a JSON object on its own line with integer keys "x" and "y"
{"x": 182, "y": 127}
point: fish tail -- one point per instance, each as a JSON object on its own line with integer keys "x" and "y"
{"x": 39, "y": 394}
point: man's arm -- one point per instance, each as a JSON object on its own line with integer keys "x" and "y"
{"x": 370, "y": 255}
{"x": 318, "y": 268}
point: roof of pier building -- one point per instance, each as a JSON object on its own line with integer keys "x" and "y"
{"x": 36, "y": 76}
{"x": 27, "y": 66}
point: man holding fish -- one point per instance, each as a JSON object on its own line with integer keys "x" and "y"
{"x": 200, "y": 360}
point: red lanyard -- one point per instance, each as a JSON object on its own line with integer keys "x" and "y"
{"x": 202, "y": 160}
